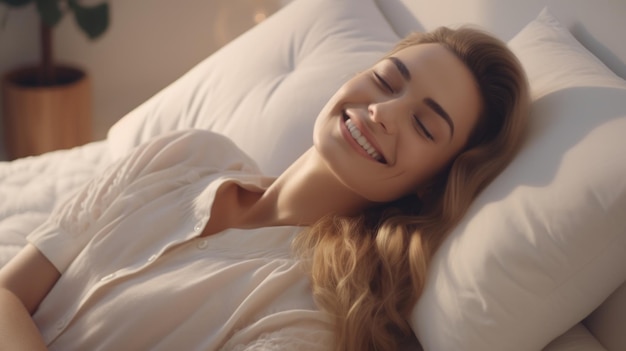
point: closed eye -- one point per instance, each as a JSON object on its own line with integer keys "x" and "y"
{"x": 383, "y": 82}
{"x": 423, "y": 128}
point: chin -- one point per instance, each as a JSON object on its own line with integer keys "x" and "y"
{"x": 321, "y": 126}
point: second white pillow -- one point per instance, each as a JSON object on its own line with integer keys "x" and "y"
{"x": 544, "y": 244}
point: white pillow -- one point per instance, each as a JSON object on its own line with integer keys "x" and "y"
{"x": 566, "y": 63}
{"x": 578, "y": 338}
{"x": 265, "y": 89}
{"x": 545, "y": 243}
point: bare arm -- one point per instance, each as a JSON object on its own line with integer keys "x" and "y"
{"x": 24, "y": 282}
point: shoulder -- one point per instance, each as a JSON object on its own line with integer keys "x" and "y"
{"x": 195, "y": 148}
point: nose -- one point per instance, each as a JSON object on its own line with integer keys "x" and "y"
{"x": 382, "y": 114}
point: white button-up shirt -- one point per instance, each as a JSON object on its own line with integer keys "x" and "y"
{"x": 137, "y": 276}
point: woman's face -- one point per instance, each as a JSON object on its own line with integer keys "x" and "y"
{"x": 389, "y": 130}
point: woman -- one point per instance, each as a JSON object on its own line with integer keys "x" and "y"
{"x": 176, "y": 248}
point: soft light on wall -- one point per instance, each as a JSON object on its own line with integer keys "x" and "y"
{"x": 234, "y": 17}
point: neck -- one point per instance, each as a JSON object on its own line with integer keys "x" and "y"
{"x": 303, "y": 194}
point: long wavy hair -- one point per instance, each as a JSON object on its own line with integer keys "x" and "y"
{"x": 368, "y": 271}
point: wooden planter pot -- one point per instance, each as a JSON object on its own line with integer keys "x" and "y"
{"x": 39, "y": 119}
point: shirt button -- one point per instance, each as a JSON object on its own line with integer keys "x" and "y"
{"x": 202, "y": 244}
{"x": 61, "y": 323}
{"x": 199, "y": 227}
{"x": 152, "y": 258}
{"x": 108, "y": 277}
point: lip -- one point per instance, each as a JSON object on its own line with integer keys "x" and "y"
{"x": 348, "y": 136}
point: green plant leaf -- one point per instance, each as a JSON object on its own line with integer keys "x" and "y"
{"x": 93, "y": 20}
{"x": 49, "y": 11}
{"x": 17, "y": 2}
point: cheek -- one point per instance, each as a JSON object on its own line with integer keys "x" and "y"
{"x": 424, "y": 166}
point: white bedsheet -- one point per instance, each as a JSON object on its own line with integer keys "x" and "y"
{"x": 30, "y": 188}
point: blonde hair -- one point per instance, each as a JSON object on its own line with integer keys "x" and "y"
{"x": 368, "y": 271}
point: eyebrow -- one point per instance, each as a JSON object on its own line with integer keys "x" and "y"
{"x": 434, "y": 105}
{"x": 401, "y": 67}
{"x": 441, "y": 112}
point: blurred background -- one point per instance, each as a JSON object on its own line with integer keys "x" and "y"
{"x": 148, "y": 44}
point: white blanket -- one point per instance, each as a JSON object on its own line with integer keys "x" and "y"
{"x": 31, "y": 187}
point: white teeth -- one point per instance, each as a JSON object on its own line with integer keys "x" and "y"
{"x": 360, "y": 139}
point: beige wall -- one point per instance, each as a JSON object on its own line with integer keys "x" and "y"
{"x": 149, "y": 43}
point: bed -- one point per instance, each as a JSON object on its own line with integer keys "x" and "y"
{"x": 539, "y": 262}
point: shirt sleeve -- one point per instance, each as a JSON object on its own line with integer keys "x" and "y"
{"x": 71, "y": 224}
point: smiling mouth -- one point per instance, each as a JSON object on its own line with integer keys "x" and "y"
{"x": 361, "y": 140}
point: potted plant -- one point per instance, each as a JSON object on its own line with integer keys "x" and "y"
{"x": 47, "y": 106}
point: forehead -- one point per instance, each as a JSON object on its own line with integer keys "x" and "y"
{"x": 436, "y": 72}
{"x": 435, "y": 59}
{"x": 426, "y": 51}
